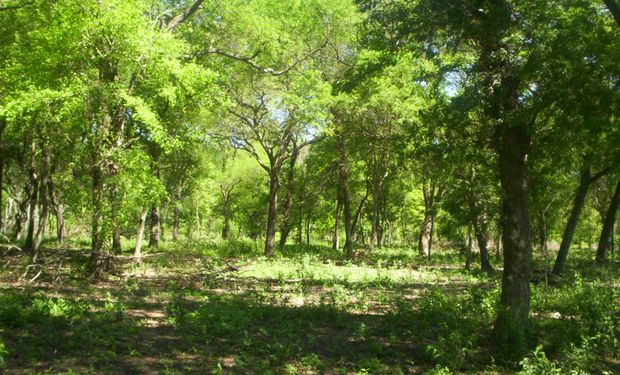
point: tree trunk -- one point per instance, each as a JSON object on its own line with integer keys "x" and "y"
{"x": 470, "y": 243}
{"x": 308, "y": 229}
{"x": 226, "y": 193}
{"x": 59, "y": 211}
{"x": 2, "y": 127}
{"x": 481, "y": 227}
{"x": 226, "y": 228}
{"x": 614, "y": 9}
{"x": 285, "y": 228}
{"x": 20, "y": 214}
{"x": 512, "y": 324}
{"x": 32, "y": 205}
{"x": 542, "y": 232}
{"x": 358, "y": 214}
{"x": 345, "y": 195}
{"x": 97, "y": 258}
{"x": 375, "y": 225}
{"x": 137, "y": 253}
{"x": 425, "y": 239}
{"x": 175, "y": 225}
{"x": 585, "y": 181}
{"x": 116, "y": 240}
{"x": 154, "y": 236}
{"x": 43, "y": 204}
{"x": 336, "y": 234}
{"x": 608, "y": 226}
{"x": 270, "y": 233}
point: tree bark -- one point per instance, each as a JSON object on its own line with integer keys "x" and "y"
{"x": 375, "y": 224}
{"x": 614, "y": 9}
{"x": 20, "y": 213}
{"x": 585, "y": 180}
{"x": 285, "y": 228}
{"x": 470, "y": 243}
{"x": 154, "y": 236}
{"x": 358, "y": 214}
{"x": 608, "y": 227}
{"x": 345, "y": 195}
{"x": 270, "y": 233}
{"x": 336, "y": 234}
{"x": 512, "y": 324}
{"x": 97, "y": 258}
{"x": 425, "y": 241}
{"x": 2, "y": 127}
{"x": 43, "y": 206}
{"x": 176, "y": 221}
{"x": 33, "y": 189}
{"x": 308, "y": 229}
{"x": 481, "y": 227}
{"x": 226, "y": 228}
{"x": 59, "y": 210}
{"x": 137, "y": 253}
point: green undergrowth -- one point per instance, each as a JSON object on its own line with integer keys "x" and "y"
{"x": 215, "y": 307}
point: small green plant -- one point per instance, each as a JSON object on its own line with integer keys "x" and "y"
{"x": 4, "y": 353}
{"x": 538, "y": 364}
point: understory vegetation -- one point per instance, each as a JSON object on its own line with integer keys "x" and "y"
{"x": 309, "y": 186}
{"x": 225, "y": 308}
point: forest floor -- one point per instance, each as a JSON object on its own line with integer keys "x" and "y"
{"x": 222, "y": 308}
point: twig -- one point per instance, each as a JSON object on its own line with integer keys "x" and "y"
{"x": 36, "y": 276}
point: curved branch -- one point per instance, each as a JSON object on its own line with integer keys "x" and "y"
{"x": 184, "y": 15}
{"x": 250, "y": 59}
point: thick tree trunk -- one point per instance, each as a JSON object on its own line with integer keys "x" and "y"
{"x": 154, "y": 236}
{"x": 608, "y": 226}
{"x": 43, "y": 206}
{"x": 285, "y": 228}
{"x": 512, "y": 324}
{"x": 345, "y": 194}
{"x": 270, "y": 233}
{"x": 137, "y": 253}
{"x": 59, "y": 211}
{"x": 585, "y": 181}
{"x": 425, "y": 239}
{"x": 481, "y": 227}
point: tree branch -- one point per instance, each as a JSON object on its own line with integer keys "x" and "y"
{"x": 184, "y": 15}
{"x": 614, "y": 8}
{"x": 14, "y": 7}
{"x": 250, "y": 59}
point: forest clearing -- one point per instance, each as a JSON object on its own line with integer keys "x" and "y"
{"x": 309, "y": 187}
